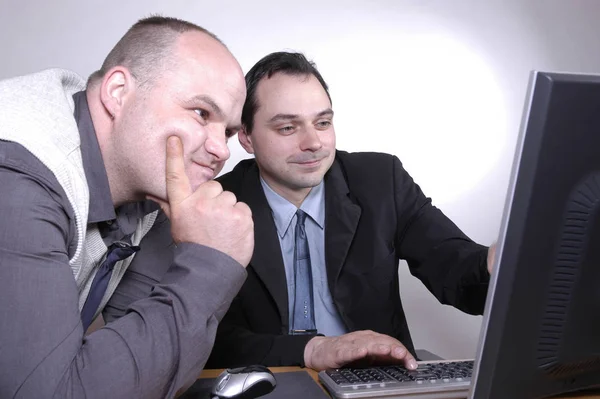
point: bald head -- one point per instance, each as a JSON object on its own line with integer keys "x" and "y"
{"x": 146, "y": 49}
{"x": 164, "y": 78}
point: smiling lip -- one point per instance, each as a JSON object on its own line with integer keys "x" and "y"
{"x": 310, "y": 163}
{"x": 209, "y": 170}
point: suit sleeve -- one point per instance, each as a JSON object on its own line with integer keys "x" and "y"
{"x": 450, "y": 264}
{"x": 159, "y": 346}
{"x": 237, "y": 345}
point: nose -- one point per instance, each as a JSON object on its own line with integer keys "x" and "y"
{"x": 216, "y": 145}
{"x": 311, "y": 141}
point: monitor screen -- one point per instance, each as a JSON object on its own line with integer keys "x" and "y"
{"x": 541, "y": 327}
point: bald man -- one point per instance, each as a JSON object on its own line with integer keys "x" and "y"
{"x": 78, "y": 166}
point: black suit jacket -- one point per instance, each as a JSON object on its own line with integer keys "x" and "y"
{"x": 374, "y": 215}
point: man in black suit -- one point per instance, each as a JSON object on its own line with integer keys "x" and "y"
{"x": 361, "y": 213}
{"x": 364, "y": 213}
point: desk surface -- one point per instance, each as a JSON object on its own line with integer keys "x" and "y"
{"x": 215, "y": 372}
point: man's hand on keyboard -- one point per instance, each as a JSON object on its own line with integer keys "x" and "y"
{"x": 490, "y": 258}
{"x": 323, "y": 353}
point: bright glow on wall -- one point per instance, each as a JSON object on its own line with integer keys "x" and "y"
{"x": 437, "y": 105}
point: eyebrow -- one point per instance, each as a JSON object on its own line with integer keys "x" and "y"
{"x": 287, "y": 117}
{"x": 208, "y": 101}
{"x": 325, "y": 112}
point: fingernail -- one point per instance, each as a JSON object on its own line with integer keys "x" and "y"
{"x": 412, "y": 364}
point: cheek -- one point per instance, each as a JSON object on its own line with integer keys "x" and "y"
{"x": 154, "y": 149}
{"x": 193, "y": 136}
{"x": 189, "y": 132}
{"x": 274, "y": 152}
{"x": 154, "y": 159}
{"x": 329, "y": 139}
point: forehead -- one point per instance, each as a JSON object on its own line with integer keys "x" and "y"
{"x": 291, "y": 94}
{"x": 203, "y": 66}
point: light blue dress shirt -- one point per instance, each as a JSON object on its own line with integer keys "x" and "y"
{"x": 327, "y": 318}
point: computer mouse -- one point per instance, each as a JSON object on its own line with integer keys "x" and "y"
{"x": 244, "y": 383}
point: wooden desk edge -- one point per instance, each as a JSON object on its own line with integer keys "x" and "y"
{"x": 213, "y": 373}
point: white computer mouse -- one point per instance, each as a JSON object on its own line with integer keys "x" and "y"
{"x": 244, "y": 383}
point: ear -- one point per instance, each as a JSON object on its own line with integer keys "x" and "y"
{"x": 246, "y": 140}
{"x": 118, "y": 86}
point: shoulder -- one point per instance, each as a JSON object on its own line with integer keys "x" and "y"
{"x": 367, "y": 167}
{"x": 20, "y": 165}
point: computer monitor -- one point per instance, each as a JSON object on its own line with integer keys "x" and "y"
{"x": 541, "y": 326}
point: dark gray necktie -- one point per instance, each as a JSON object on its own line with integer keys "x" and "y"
{"x": 304, "y": 318}
{"x": 116, "y": 252}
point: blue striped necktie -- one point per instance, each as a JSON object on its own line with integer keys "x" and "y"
{"x": 303, "y": 318}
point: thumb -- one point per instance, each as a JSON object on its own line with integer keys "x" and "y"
{"x": 178, "y": 184}
{"x": 164, "y": 205}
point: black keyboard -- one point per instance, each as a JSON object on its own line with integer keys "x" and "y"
{"x": 428, "y": 378}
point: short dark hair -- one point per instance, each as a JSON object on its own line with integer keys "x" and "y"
{"x": 146, "y": 46}
{"x": 289, "y": 63}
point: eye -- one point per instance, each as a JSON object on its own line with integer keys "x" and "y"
{"x": 202, "y": 113}
{"x": 322, "y": 125}
{"x": 230, "y": 133}
{"x": 286, "y": 129}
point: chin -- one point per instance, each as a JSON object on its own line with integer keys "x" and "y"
{"x": 310, "y": 181}
{"x": 198, "y": 178}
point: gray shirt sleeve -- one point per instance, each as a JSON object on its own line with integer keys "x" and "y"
{"x": 145, "y": 271}
{"x": 159, "y": 346}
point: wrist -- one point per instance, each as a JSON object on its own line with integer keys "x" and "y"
{"x": 309, "y": 350}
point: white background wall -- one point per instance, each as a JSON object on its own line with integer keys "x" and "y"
{"x": 440, "y": 83}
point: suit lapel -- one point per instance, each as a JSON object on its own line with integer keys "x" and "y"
{"x": 341, "y": 219}
{"x": 267, "y": 260}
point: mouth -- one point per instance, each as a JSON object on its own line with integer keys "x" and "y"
{"x": 206, "y": 169}
{"x": 310, "y": 164}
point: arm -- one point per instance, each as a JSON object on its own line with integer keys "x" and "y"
{"x": 452, "y": 266}
{"x": 237, "y": 345}
{"x": 158, "y": 347}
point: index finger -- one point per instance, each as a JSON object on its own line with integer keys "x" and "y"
{"x": 401, "y": 353}
{"x": 391, "y": 346}
{"x": 178, "y": 184}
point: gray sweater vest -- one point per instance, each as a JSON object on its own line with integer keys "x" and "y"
{"x": 37, "y": 113}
